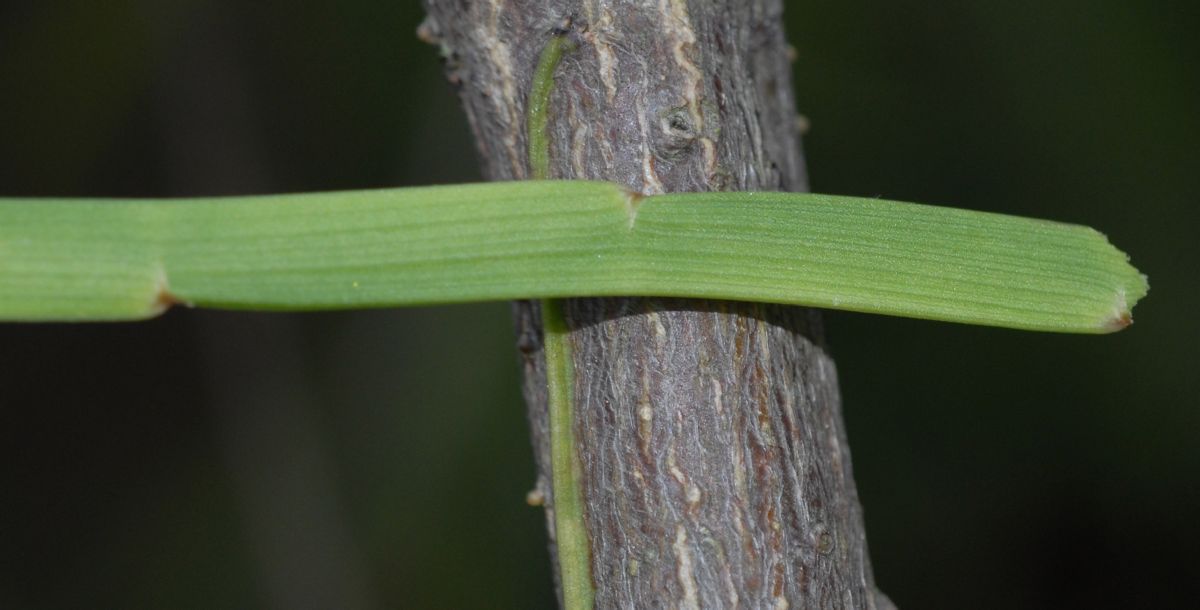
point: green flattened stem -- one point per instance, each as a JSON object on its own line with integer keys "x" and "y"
{"x": 113, "y": 260}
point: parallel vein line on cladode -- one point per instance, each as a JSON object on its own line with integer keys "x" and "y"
{"x": 1056, "y": 237}
{"x": 977, "y": 272}
{"x": 821, "y": 249}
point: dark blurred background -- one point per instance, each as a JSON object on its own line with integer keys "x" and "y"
{"x": 380, "y": 459}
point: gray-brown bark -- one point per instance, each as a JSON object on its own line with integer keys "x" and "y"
{"x": 715, "y": 466}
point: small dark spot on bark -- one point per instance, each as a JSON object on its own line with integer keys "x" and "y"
{"x": 824, "y": 542}
{"x": 527, "y": 343}
{"x": 678, "y": 122}
{"x": 677, "y": 136}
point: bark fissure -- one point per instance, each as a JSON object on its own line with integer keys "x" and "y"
{"x": 715, "y": 466}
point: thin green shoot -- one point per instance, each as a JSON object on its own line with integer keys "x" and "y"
{"x": 570, "y": 530}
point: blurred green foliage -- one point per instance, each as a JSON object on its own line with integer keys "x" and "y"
{"x": 380, "y": 459}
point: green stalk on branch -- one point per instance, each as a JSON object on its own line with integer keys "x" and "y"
{"x": 76, "y": 259}
{"x": 570, "y": 530}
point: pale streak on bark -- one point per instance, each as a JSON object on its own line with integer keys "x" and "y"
{"x": 578, "y": 146}
{"x": 687, "y": 578}
{"x": 677, "y": 29}
{"x": 599, "y": 35}
{"x": 506, "y": 104}
{"x": 651, "y": 184}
